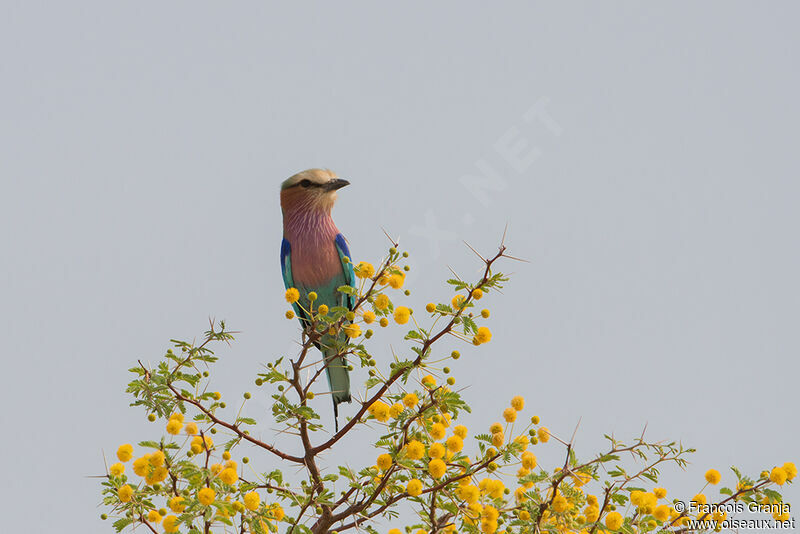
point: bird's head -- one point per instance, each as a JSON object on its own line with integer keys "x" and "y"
{"x": 314, "y": 189}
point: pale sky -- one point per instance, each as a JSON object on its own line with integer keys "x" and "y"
{"x": 643, "y": 156}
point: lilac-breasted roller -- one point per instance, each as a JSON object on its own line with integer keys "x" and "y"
{"x": 312, "y": 259}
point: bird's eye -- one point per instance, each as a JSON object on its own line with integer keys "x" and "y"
{"x": 305, "y": 183}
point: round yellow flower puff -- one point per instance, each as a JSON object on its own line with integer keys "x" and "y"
{"x": 396, "y": 280}
{"x": 381, "y": 302}
{"x": 560, "y": 504}
{"x": 394, "y": 531}
{"x": 700, "y": 499}
{"x": 170, "y": 524}
{"x": 364, "y": 270}
{"x": 415, "y": 450}
{"x": 437, "y": 468}
{"x": 460, "y": 431}
{"x": 477, "y": 293}
{"x": 510, "y": 415}
{"x": 125, "y": 493}
{"x": 414, "y": 487}
{"x": 592, "y": 513}
{"x": 428, "y": 381}
{"x": 174, "y": 427}
{"x": 614, "y": 520}
{"x": 528, "y": 460}
{"x": 484, "y": 335}
{"x": 458, "y": 301}
{"x": 401, "y": 315}
{"x": 190, "y": 429}
{"x": 178, "y": 416}
{"x": 438, "y": 431}
{"x": 518, "y": 402}
{"x": 778, "y": 475}
{"x": 116, "y": 469}
{"x": 252, "y": 501}
{"x": 395, "y": 410}
{"x": 519, "y": 494}
{"x": 384, "y": 462}
{"x": 430, "y": 307}
{"x": 713, "y": 476}
{"x": 159, "y": 474}
{"x": 177, "y": 504}
{"x": 791, "y": 470}
{"x": 206, "y": 496}
{"x": 384, "y": 322}
{"x": 544, "y": 434}
{"x": 660, "y": 493}
{"x": 436, "y": 450}
{"x": 468, "y": 493}
{"x": 323, "y": 309}
{"x": 157, "y": 459}
{"x": 661, "y": 512}
{"x": 496, "y": 427}
{"x": 228, "y": 476}
{"x": 292, "y": 295}
{"x": 454, "y": 443}
{"x": 352, "y": 330}
{"x": 277, "y": 512}
{"x": 498, "y": 439}
{"x": 591, "y": 500}
{"x": 380, "y": 410}
{"x": 125, "y": 452}
{"x": 410, "y": 400}
{"x": 141, "y": 465}
{"x": 369, "y": 317}
{"x": 153, "y": 516}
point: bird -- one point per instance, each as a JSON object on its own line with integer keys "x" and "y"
{"x": 315, "y": 257}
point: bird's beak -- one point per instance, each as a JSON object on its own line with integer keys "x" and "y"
{"x": 336, "y": 183}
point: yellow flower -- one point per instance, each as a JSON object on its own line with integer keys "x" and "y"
{"x": 415, "y": 450}
{"x": 544, "y": 434}
{"x": 660, "y": 493}
{"x": 140, "y": 465}
{"x": 116, "y": 469}
{"x": 458, "y": 301}
{"x": 277, "y": 512}
{"x": 289, "y": 314}
{"x": 177, "y": 504}
{"x": 430, "y": 307}
{"x": 352, "y": 330}
{"x": 323, "y": 309}
{"x": 381, "y": 302}
{"x": 252, "y": 501}
{"x": 484, "y": 335}
{"x": 510, "y": 415}
{"x": 493, "y": 487}
{"x": 460, "y": 431}
{"x": 153, "y": 516}
{"x": 713, "y": 476}
{"x": 591, "y": 500}
{"x": 380, "y": 410}
{"x": 292, "y": 295}
{"x": 560, "y": 504}
{"x": 518, "y": 402}
{"x": 791, "y": 470}
{"x": 228, "y": 476}
{"x": 170, "y": 524}
{"x": 312, "y": 296}
{"x": 436, "y": 450}
{"x": 384, "y": 462}
{"x": 428, "y": 381}
{"x": 661, "y": 512}
{"x": 437, "y": 468}
{"x": 477, "y": 293}
{"x": 614, "y": 520}
{"x": 157, "y": 459}
{"x": 637, "y": 497}
{"x": 778, "y": 475}
{"x": 396, "y": 280}
{"x": 369, "y": 317}
{"x": 401, "y": 314}
{"x": 174, "y": 427}
{"x": 125, "y": 452}
{"x": 178, "y": 416}
{"x": 410, "y": 400}
{"x": 469, "y": 493}
{"x": 395, "y": 410}
{"x": 498, "y": 438}
{"x": 125, "y": 493}
{"x": 528, "y": 460}
{"x": 700, "y": 499}
{"x": 485, "y": 313}
{"x": 394, "y": 531}
{"x": 496, "y": 427}
{"x": 414, "y": 487}
{"x": 438, "y": 431}
{"x": 206, "y": 496}
{"x": 364, "y": 270}
{"x": 190, "y": 429}
{"x": 592, "y": 513}
{"x": 454, "y": 443}
{"x": 384, "y": 322}
{"x": 159, "y": 474}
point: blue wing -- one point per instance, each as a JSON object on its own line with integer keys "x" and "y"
{"x": 286, "y": 271}
{"x": 349, "y": 274}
